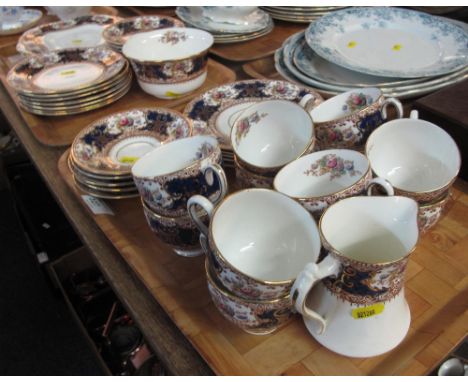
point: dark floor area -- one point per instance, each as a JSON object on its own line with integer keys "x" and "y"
{"x": 38, "y": 335}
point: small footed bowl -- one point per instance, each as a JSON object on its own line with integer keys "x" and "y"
{"x": 254, "y": 317}
{"x": 430, "y": 213}
{"x": 179, "y": 232}
{"x": 169, "y": 62}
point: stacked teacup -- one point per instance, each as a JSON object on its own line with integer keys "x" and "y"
{"x": 168, "y": 176}
{"x": 257, "y": 242}
{"x": 420, "y": 160}
{"x": 268, "y": 135}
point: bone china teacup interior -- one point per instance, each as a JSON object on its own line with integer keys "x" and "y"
{"x": 418, "y": 158}
{"x": 346, "y": 120}
{"x": 270, "y": 134}
{"x": 322, "y": 178}
{"x": 170, "y": 174}
{"x": 260, "y": 240}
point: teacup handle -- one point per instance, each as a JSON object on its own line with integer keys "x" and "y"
{"x": 215, "y": 170}
{"x": 310, "y": 275}
{"x": 387, "y": 186}
{"x": 305, "y": 102}
{"x": 394, "y": 102}
{"x": 200, "y": 201}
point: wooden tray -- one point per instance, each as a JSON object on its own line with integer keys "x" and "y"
{"x": 436, "y": 290}
{"x": 60, "y": 131}
{"x": 260, "y": 47}
{"x": 263, "y": 68}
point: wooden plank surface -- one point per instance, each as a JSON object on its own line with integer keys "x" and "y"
{"x": 438, "y": 303}
{"x": 60, "y": 131}
{"x": 259, "y": 47}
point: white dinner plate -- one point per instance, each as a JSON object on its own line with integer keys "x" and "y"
{"x": 389, "y": 42}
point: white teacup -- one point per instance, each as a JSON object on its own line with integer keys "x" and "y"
{"x": 418, "y": 158}
{"x": 259, "y": 240}
{"x": 169, "y": 175}
{"x": 322, "y": 178}
{"x": 230, "y": 14}
{"x": 346, "y": 120}
{"x": 270, "y": 134}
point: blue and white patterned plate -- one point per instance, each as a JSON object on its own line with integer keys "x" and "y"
{"x": 284, "y": 65}
{"x": 389, "y": 42}
{"x": 254, "y": 22}
{"x": 27, "y": 19}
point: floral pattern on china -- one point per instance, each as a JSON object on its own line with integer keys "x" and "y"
{"x": 173, "y": 37}
{"x": 357, "y": 101}
{"x": 91, "y": 146}
{"x": 114, "y": 33}
{"x": 333, "y": 165}
{"x": 32, "y": 41}
{"x": 204, "y": 109}
{"x": 243, "y": 125}
{"x": 20, "y": 76}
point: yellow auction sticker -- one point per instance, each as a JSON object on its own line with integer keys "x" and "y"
{"x": 368, "y": 311}
{"x": 128, "y": 159}
{"x": 67, "y": 72}
{"x": 77, "y": 42}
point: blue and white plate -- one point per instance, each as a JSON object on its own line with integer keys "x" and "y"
{"x": 285, "y": 66}
{"x": 389, "y": 42}
{"x": 254, "y": 22}
{"x": 27, "y": 19}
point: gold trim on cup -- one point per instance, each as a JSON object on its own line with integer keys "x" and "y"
{"x": 218, "y": 252}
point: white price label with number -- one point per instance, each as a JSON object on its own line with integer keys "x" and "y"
{"x": 97, "y": 205}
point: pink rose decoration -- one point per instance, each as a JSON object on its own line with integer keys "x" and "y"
{"x": 332, "y": 162}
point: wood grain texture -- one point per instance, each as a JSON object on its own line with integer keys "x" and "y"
{"x": 259, "y": 47}
{"x": 60, "y": 131}
{"x": 178, "y": 284}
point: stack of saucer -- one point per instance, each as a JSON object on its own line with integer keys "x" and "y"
{"x": 299, "y": 14}
{"x": 118, "y": 33}
{"x": 15, "y": 20}
{"x": 70, "y": 81}
{"x": 337, "y": 52}
{"x": 103, "y": 153}
{"x": 228, "y": 24}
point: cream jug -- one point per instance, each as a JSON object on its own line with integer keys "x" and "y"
{"x": 353, "y": 300}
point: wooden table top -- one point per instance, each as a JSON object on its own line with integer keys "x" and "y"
{"x": 167, "y": 295}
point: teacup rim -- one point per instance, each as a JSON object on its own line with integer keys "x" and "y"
{"x": 335, "y": 252}
{"x": 335, "y": 120}
{"x": 309, "y": 198}
{"x": 310, "y": 142}
{"x": 193, "y": 164}
{"x": 231, "y": 295}
{"x": 416, "y": 120}
{"x": 219, "y": 253}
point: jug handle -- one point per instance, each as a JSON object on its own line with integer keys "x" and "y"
{"x": 310, "y": 275}
{"x": 204, "y": 203}
{"x": 387, "y": 186}
{"x": 394, "y": 102}
{"x": 212, "y": 171}
{"x": 306, "y": 100}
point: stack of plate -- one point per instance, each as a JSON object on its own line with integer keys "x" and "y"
{"x": 215, "y": 111}
{"x": 299, "y": 14}
{"x": 118, "y": 33}
{"x": 256, "y": 24}
{"x": 102, "y": 154}
{"x": 27, "y": 18}
{"x": 70, "y": 81}
{"x": 403, "y": 52}
{"x": 81, "y": 32}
